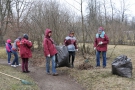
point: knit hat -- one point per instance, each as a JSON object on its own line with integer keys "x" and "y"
{"x": 8, "y": 41}
{"x": 25, "y": 36}
{"x": 100, "y": 29}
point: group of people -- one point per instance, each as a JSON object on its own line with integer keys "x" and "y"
{"x": 50, "y": 50}
{"x": 100, "y": 45}
{"x": 23, "y": 45}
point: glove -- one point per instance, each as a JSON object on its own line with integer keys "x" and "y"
{"x": 94, "y": 48}
{"x": 100, "y": 43}
{"x": 76, "y": 49}
{"x": 48, "y": 55}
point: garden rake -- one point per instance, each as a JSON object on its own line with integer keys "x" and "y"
{"x": 23, "y": 81}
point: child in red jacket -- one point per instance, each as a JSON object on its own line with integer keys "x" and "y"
{"x": 25, "y": 52}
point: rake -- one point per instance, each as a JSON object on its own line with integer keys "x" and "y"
{"x": 23, "y": 81}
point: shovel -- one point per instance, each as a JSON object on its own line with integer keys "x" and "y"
{"x": 23, "y": 81}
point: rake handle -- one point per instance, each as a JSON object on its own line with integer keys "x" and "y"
{"x": 10, "y": 76}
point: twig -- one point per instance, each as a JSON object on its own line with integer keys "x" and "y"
{"x": 112, "y": 51}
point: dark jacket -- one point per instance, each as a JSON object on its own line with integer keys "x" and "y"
{"x": 8, "y": 47}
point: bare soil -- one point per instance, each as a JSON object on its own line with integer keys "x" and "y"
{"x": 48, "y": 82}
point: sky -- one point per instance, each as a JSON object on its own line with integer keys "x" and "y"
{"x": 74, "y": 5}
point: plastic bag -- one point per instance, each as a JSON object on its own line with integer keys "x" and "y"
{"x": 122, "y": 66}
{"x": 62, "y": 57}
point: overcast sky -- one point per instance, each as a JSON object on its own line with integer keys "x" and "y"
{"x": 74, "y": 4}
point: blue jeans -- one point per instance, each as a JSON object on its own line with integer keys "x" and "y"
{"x": 48, "y": 59}
{"x": 9, "y": 56}
{"x": 15, "y": 61}
{"x": 98, "y": 58}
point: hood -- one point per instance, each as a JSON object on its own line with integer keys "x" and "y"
{"x": 47, "y": 31}
{"x": 16, "y": 40}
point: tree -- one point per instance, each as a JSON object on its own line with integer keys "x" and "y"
{"x": 5, "y": 15}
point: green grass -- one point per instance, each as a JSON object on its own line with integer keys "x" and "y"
{"x": 8, "y": 83}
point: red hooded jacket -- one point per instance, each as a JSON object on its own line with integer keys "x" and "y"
{"x": 48, "y": 44}
{"x": 102, "y": 47}
{"x": 25, "y": 51}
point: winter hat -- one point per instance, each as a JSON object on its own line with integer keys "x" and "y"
{"x": 100, "y": 29}
{"x": 8, "y": 41}
{"x": 100, "y": 33}
{"x": 25, "y": 36}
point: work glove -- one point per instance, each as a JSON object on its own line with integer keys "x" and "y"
{"x": 76, "y": 49}
{"x": 100, "y": 43}
{"x": 48, "y": 55}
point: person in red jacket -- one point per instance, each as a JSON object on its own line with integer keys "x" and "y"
{"x": 49, "y": 52}
{"x": 25, "y": 52}
{"x": 100, "y": 45}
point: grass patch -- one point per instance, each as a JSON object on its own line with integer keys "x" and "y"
{"x": 3, "y": 54}
{"x": 8, "y": 83}
{"x": 103, "y": 79}
{"x": 92, "y": 79}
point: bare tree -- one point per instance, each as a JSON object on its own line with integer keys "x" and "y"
{"x": 20, "y": 6}
{"x": 5, "y": 13}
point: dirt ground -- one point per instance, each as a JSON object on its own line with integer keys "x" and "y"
{"x": 49, "y": 82}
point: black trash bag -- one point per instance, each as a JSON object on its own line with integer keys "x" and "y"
{"x": 62, "y": 57}
{"x": 122, "y": 66}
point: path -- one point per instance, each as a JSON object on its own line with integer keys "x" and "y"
{"x": 49, "y": 82}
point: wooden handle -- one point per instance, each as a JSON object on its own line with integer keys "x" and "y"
{"x": 10, "y": 76}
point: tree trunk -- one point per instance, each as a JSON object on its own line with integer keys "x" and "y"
{"x": 1, "y": 40}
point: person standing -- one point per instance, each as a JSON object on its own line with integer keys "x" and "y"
{"x": 100, "y": 45}
{"x": 25, "y": 52}
{"x": 49, "y": 52}
{"x": 15, "y": 50}
{"x": 70, "y": 42}
{"x": 8, "y": 49}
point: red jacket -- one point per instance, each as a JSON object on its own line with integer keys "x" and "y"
{"x": 48, "y": 44}
{"x": 102, "y": 47}
{"x": 25, "y": 51}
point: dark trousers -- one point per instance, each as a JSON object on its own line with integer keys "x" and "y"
{"x": 72, "y": 54}
{"x": 24, "y": 64}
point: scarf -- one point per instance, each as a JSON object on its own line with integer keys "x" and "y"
{"x": 100, "y": 35}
